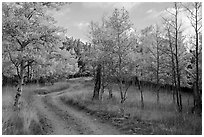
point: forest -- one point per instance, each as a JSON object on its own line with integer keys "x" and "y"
{"x": 120, "y": 60}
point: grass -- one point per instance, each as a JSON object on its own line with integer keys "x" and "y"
{"x": 21, "y": 121}
{"x": 26, "y": 120}
{"x": 53, "y": 88}
{"x": 161, "y": 118}
{"x": 155, "y": 118}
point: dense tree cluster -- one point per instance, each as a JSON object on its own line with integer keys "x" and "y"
{"x": 158, "y": 54}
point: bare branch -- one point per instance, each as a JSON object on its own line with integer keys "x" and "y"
{"x": 31, "y": 14}
{"x": 170, "y": 12}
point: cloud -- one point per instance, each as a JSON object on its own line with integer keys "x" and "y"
{"x": 84, "y": 40}
{"x": 109, "y": 5}
{"x": 82, "y": 25}
{"x": 127, "y": 5}
{"x": 97, "y": 4}
{"x": 182, "y": 19}
{"x": 149, "y": 11}
{"x": 61, "y": 12}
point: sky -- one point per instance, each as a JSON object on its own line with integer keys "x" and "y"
{"x": 77, "y": 16}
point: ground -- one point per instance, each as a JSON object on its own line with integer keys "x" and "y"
{"x": 66, "y": 108}
{"x": 64, "y": 119}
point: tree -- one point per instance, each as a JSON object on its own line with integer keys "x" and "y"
{"x": 138, "y": 66}
{"x": 28, "y": 35}
{"x": 94, "y": 57}
{"x": 77, "y": 48}
{"x": 152, "y": 39}
{"x": 61, "y": 63}
{"x": 112, "y": 44}
{"x": 194, "y": 11}
{"x": 173, "y": 73}
{"x": 177, "y": 50}
{"x": 100, "y": 56}
{"x": 119, "y": 27}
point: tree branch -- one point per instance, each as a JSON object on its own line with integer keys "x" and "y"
{"x": 31, "y": 14}
{"x": 28, "y": 63}
{"x": 15, "y": 64}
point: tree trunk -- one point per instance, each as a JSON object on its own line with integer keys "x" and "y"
{"x": 173, "y": 95}
{"x": 122, "y": 99}
{"x": 121, "y": 84}
{"x": 141, "y": 94}
{"x": 31, "y": 72}
{"x": 102, "y": 82}
{"x": 102, "y": 90}
{"x": 197, "y": 108}
{"x": 197, "y": 95}
{"x": 110, "y": 92}
{"x": 122, "y": 92}
{"x": 97, "y": 83}
{"x": 137, "y": 83}
{"x": 157, "y": 70}
{"x": 20, "y": 86}
{"x": 120, "y": 69}
{"x": 174, "y": 85}
{"x": 179, "y": 99}
{"x": 28, "y": 73}
{"x": 157, "y": 94}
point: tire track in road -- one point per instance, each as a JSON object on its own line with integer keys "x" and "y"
{"x": 66, "y": 120}
{"x": 69, "y": 120}
{"x": 88, "y": 122}
{"x": 57, "y": 124}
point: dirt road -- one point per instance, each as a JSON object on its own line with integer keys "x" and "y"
{"x": 65, "y": 120}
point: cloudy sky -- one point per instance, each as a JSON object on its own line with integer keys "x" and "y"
{"x": 76, "y": 16}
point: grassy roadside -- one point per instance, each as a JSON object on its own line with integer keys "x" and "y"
{"x": 27, "y": 120}
{"x": 53, "y": 88}
{"x": 22, "y": 121}
{"x": 154, "y": 119}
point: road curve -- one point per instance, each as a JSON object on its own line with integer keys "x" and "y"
{"x": 65, "y": 120}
